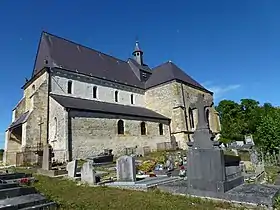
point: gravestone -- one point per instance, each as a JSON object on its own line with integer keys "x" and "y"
{"x": 88, "y": 174}
{"x": 235, "y": 152}
{"x": 72, "y": 168}
{"x": 206, "y": 160}
{"x": 46, "y": 165}
{"x": 254, "y": 157}
{"x": 126, "y": 169}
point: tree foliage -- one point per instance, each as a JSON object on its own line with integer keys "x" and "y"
{"x": 249, "y": 117}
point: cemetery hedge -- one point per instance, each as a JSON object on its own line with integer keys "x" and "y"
{"x": 71, "y": 196}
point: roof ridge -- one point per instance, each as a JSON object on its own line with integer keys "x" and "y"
{"x": 81, "y": 45}
{"x": 161, "y": 65}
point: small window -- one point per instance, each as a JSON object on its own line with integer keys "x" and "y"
{"x": 207, "y": 116}
{"x": 191, "y": 118}
{"x": 143, "y": 128}
{"x": 131, "y": 99}
{"x": 116, "y": 96}
{"x": 69, "y": 87}
{"x": 55, "y": 124}
{"x": 33, "y": 88}
{"x": 94, "y": 92}
{"x": 120, "y": 127}
{"x": 160, "y": 127}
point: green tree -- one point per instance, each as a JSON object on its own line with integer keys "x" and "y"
{"x": 250, "y": 115}
{"x": 231, "y": 120}
{"x": 267, "y": 134}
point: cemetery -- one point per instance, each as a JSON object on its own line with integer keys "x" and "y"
{"x": 237, "y": 175}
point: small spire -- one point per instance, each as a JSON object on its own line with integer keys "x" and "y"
{"x": 137, "y": 48}
{"x": 138, "y": 53}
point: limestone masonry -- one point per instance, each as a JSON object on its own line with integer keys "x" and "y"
{"x": 81, "y": 101}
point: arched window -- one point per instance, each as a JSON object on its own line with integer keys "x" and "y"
{"x": 120, "y": 127}
{"x": 131, "y": 99}
{"x": 69, "y": 87}
{"x": 94, "y": 92}
{"x": 207, "y": 116}
{"x": 191, "y": 118}
{"x": 55, "y": 127}
{"x": 143, "y": 128}
{"x": 116, "y": 96}
{"x": 160, "y": 127}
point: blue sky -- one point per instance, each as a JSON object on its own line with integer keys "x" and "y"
{"x": 231, "y": 47}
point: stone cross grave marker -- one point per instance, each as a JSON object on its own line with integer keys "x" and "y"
{"x": 202, "y": 135}
{"x": 126, "y": 169}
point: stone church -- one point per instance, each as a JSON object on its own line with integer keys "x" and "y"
{"x": 82, "y": 101}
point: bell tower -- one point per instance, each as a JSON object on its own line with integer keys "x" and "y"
{"x": 138, "y": 54}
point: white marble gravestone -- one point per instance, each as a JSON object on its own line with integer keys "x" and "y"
{"x": 72, "y": 168}
{"x": 87, "y": 173}
{"x": 126, "y": 169}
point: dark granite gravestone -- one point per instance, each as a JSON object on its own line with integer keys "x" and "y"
{"x": 208, "y": 168}
{"x": 15, "y": 196}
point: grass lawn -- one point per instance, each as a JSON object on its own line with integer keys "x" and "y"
{"x": 71, "y": 196}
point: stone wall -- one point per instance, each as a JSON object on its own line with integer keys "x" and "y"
{"x": 91, "y": 135}
{"x": 35, "y": 101}
{"x": 38, "y": 101}
{"x": 19, "y": 109}
{"x": 30, "y": 90}
{"x": 173, "y": 100}
{"x": 58, "y": 130}
{"x": 82, "y": 87}
{"x": 12, "y": 146}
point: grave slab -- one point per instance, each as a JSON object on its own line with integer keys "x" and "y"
{"x": 16, "y": 191}
{"x": 22, "y": 201}
{"x": 255, "y": 194}
{"x": 144, "y": 184}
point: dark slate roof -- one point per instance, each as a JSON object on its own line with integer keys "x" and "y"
{"x": 71, "y": 56}
{"x": 20, "y": 120}
{"x": 54, "y": 51}
{"x": 104, "y": 107}
{"x": 143, "y": 67}
{"x": 168, "y": 72}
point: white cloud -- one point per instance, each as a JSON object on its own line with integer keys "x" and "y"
{"x": 220, "y": 91}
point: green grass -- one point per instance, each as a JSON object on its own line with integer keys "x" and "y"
{"x": 272, "y": 173}
{"x": 71, "y": 196}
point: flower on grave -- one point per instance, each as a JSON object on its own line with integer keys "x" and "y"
{"x": 147, "y": 166}
{"x": 24, "y": 180}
